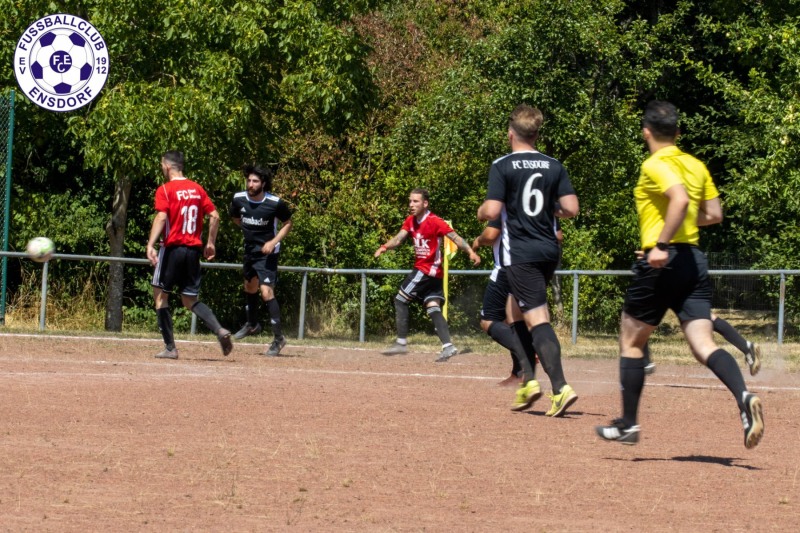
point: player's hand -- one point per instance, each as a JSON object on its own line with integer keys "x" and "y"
{"x": 152, "y": 255}
{"x": 268, "y": 248}
{"x": 210, "y": 252}
{"x": 638, "y": 254}
{"x": 475, "y": 258}
{"x": 476, "y": 244}
{"x": 379, "y": 251}
{"x": 657, "y": 258}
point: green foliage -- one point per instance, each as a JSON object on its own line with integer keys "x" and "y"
{"x": 356, "y": 102}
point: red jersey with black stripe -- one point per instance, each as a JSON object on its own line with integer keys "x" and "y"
{"x": 186, "y": 205}
{"x": 427, "y": 234}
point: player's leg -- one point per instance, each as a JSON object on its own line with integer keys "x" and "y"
{"x": 190, "y": 291}
{"x": 528, "y": 283}
{"x": 493, "y": 321}
{"x": 274, "y": 310}
{"x": 751, "y": 350}
{"x": 405, "y": 295}
{"x": 433, "y": 307}
{"x": 161, "y": 281}
{"x": 252, "y": 299}
{"x": 643, "y": 309}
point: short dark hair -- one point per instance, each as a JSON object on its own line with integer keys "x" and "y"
{"x": 424, "y": 192}
{"x": 661, "y": 118}
{"x": 265, "y": 174}
{"x": 174, "y": 159}
{"x": 526, "y": 121}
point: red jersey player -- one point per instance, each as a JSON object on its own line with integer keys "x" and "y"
{"x": 181, "y": 205}
{"x": 424, "y": 283}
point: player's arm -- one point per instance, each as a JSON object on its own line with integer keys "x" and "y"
{"x": 213, "y": 227}
{"x": 567, "y": 206}
{"x": 486, "y": 238}
{"x": 676, "y": 212}
{"x": 270, "y": 245}
{"x": 159, "y": 221}
{"x": 490, "y": 210}
{"x": 461, "y": 244}
{"x": 710, "y": 212}
{"x": 392, "y": 243}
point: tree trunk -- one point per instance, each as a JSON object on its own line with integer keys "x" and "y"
{"x": 115, "y": 229}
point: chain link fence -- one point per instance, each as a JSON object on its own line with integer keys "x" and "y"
{"x": 6, "y": 141}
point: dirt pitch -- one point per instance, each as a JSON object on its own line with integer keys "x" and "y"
{"x": 99, "y": 436}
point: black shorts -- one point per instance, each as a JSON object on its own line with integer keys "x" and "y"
{"x": 682, "y": 285}
{"x": 495, "y": 297}
{"x": 178, "y": 266}
{"x": 419, "y": 286}
{"x": 528, "y": 283}
{"x": 263, "y": 267}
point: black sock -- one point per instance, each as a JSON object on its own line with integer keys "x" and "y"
{"x": 207, "y": 316}
{"x": 724, "y": 366}
{"x": 730, "y": 334}
{"x": 275, "y": 317}
{"x": 253, "y": 306}
{"x": 401, "y": 317}
{"x": 526, "y": 341}
{"x": 631, "y": 378}
{"x": 546, "y": 344}
{"x": 164, "y": 317}
{"x": 506, "y": 337}
{"x": 439, "y": 322}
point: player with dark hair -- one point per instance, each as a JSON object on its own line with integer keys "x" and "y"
{"x": 528, "y": 189}
{"x": 181, "y": 205}
{"x": 674, "y": 196}
{"x": 425, "y": 282}
{"x": 260, "y": 214}
{"x": 499, "y": 309}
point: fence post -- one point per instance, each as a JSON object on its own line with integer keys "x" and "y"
{"x": 43, "y": 306}
{"x": 362, "y": 325}
{"x": 574, "y": 308}
{"x": 781, "y": 306}
{"x": 302, "y": 325}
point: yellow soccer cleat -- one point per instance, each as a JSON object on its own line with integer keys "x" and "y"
{"x": 561, "y": 401}
{"x": 526, "y": 395}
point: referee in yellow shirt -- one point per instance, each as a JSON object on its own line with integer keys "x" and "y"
{"x": 674, "y": 195}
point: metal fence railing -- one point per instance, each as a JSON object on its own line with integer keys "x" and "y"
{"x": 576, "y": 275}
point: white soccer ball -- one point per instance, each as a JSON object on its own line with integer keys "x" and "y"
{"x": 40, "y": 249}
{"x": 61, "y": 61}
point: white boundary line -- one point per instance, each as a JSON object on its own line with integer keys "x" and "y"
{"x": 216, "y": 374}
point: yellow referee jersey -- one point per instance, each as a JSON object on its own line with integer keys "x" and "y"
{"x": 665, "y": 168}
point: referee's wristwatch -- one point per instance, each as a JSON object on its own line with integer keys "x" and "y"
{"x": 663, "y": 246}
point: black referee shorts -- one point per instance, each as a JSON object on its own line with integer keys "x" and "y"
{"x": 682, "y": 285}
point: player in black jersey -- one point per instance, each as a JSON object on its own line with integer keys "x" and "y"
{"x": 527, "y": 189}
{"x": 265, "y": 220}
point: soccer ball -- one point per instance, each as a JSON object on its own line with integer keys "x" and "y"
{"x": 40, "y": 249}
{"x": 61, "y": 61}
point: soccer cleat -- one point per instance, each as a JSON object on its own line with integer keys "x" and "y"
{"x": 396, "y": 349}
{"x": 617, "y": 431}
{"x": 561, "y": 401}
{"x": 446, "y": 353}
{"x": 753, "y": 357}
{"x": 277, "y": 345}
{"x": 511, "y": 381}
{"x": 649, "y": 365}
{"x": 247, "y": 330}
{"x": 167, "y": 354}
{"x": 526, "y": 395}
{"x": 224, "y": 337}
{"x": 752, "y": 420}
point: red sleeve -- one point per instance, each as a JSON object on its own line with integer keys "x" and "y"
{"x": 443, "y": 227}
{"x": 162, "y": 201}
{"x": 408, "y": 223}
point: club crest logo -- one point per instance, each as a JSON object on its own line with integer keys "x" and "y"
{"x": 61, "y": 62}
